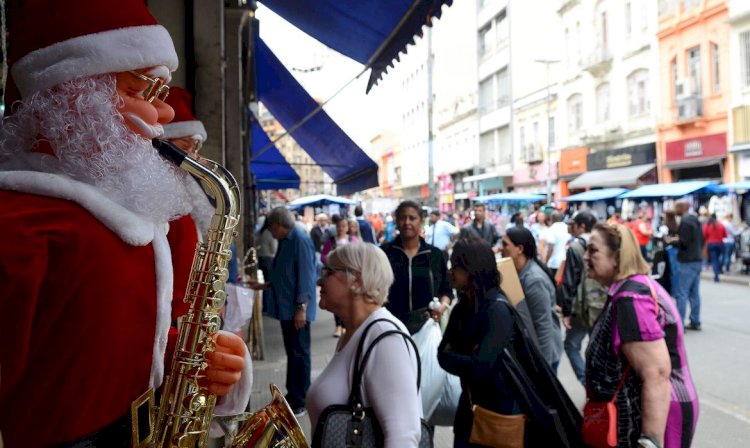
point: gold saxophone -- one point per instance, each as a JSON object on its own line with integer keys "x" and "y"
{"x": 186, "y": 407}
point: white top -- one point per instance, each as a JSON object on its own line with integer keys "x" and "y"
{"x": 389, "y": 382}
{"x": 731, "y": 231}
{"x": 557, "y": 235}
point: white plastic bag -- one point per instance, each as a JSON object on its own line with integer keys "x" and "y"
{"x": 440, "y": 390}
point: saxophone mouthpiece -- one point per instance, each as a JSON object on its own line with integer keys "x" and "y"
{"x": 169, "y": 151}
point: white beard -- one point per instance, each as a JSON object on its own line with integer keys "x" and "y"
{"x": 92, "y": 144}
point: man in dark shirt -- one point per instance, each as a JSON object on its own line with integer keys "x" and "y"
{"x": 690, "y": 256}
{"x": 319, "y": 233}
{"x": 482, "y": 228}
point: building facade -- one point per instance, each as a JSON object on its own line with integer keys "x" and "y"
{"x": 694, "y": 91}
{"x": 739, "y": 115}
{"x": 607, "y": 98}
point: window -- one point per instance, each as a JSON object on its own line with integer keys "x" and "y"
{"x": 575, "y": 113}
{"x": 487, "y": 148}
{"x": 486, "y": 96}
{"x": 694, "y": 70}
{"x": 522, "y": 140}
{"x": 485, "y": 41}
{"x": 551, "y": 132}
{"x": 628, "y": 20}
{"x": 602, "y": 103}
{"x": 675, "y": 76}
{"x": 715, "y": 67}
{"x": 501, "y": 23}
{"x": 638, "y": 102}
{"x": 745, "y": 58}
{"x": 504, "y": 151}
{"x": 503, "y": 88}
{"x": 577, "y": 48}
{"x": 568, "y": 45}
{"x": 535, "y": 127}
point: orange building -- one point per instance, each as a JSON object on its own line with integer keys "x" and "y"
{"x": 695, "y": 91}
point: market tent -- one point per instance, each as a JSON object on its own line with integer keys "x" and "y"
{"x": 596, "y": 195}
{"x": 510, "y": 197}
{"x": 319, "y": 200}
{"x": 743, "y": 185}
{"x": 676, "y": 189}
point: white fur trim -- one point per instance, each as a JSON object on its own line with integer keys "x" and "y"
{"x": 111, "y": 51}
{"x": 185, "y": 129}
{"x": 164, "y": 289}
{"x": 130, "y": 227}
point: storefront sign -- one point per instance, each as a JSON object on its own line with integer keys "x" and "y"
{"x": 704, "y": 147}
{"x": 573, "y": 161}
{"x": 622, "y": 157}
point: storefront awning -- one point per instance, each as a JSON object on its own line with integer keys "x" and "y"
{"x": 510, "y": 197}
{"x": 673, "y": 190}
{"x": 681, "y": 164}
{"x": 744, "y": 185}
{"x": 271, "y": 170}
{"x": 372, "y": 32}
{"x": 596, "y": 195}
{"x": 329, "y": 146}
{"x": 615, "y": 177}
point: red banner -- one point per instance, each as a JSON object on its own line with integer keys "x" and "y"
{"x": 704, "y": 147}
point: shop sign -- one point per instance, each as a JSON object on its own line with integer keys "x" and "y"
{"x": 704, "y": 147}
{"x": 529, "y": 174}
{"x": 622, "y": 157}
{"x": 573, "y": 161}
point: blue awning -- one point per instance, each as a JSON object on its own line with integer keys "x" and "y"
{"x": 372, "y": 32}
{"x": 319, "y": 200}
{"x": 744, "y": 185}
{"x": 595, "y": 195}
{"x": 510, "y": 197}
{"x": 349, "y": 167}
{"x": 676, "y": 189}
{"x": 271, "y": 170}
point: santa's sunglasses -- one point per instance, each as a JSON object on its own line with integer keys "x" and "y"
{"x": 157, "y": 88}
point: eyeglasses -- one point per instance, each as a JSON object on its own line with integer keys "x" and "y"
{"x": 157, "y": 88}
{"x": 328, "y": 271}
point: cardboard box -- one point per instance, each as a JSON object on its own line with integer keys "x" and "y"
{"x": 509, "y": 281}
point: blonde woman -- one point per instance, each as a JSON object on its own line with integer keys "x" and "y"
{"x": 638, "y": 342}
{"x": 354, "y": 286}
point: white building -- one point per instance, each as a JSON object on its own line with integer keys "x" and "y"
{"x": 739, "y": 60}
{"x": 608, "y": 92}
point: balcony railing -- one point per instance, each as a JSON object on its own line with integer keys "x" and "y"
{"x": 598, "y": 61}
{"x": 689, "y": 107}
{"x": 492, "y": 106}
{"x": 531, "y": 154}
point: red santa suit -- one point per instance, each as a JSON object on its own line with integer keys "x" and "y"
{"x": 85, "y": 291}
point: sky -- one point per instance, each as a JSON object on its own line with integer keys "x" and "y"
{"x": 360, "y": 116}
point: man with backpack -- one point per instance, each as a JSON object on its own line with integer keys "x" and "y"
{"x": 582, "y": 297}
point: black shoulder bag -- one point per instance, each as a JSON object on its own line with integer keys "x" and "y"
{"x": 352, "y": 425}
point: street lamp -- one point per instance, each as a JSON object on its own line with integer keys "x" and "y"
{"x": 547, "y": 63}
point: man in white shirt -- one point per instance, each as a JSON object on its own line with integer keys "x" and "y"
{"x": 556, "y": 237}
{"x": 440, "y": 233}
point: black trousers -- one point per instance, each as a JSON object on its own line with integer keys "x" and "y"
{"x": 297, "y": 345}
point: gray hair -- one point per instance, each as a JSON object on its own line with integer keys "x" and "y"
{"x": 371, "y": 263}
{"x": 281, "y": 216}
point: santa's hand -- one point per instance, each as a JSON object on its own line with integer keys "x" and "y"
{"x": 225, "y": 364}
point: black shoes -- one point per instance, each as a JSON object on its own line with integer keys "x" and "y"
{"x": 692, "y": 326}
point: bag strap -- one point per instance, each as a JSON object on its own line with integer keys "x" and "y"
{"x": 656, "y": 306}
{"x": 354, "y": 396}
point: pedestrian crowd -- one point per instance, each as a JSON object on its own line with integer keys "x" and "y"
{"x": 579, "y": 278}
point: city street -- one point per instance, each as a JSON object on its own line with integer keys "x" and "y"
{"x": 719, "y": 361}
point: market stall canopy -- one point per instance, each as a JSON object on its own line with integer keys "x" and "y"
{"x": 372, "y": 32}
{"x": 614, "y": 177}
{"x": 744, "y": 185}
{"x": 329, "y": 146}
{"x": 319, "y": 200}
{"x": 596, "y": 195}
{"x": 676, "y": 189}
{"x": 271, "y": 170}
{"x": 510, "y": 197}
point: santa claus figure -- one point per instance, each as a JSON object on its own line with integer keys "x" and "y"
{"x": 86, "y": 275}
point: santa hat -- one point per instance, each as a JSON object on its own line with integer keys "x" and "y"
{"x": 53, "y": 41}
{"x": 184, "y": 124}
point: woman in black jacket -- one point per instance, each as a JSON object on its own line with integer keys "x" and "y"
{"x": 419, "y": 270}
{"x": 480, "y": 328}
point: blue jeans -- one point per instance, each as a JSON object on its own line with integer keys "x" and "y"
{"x": 674, "y": 269}
{"x": 688, "y": 290}
{"x": 715, "y": 252}
{"x": 573, "y": 341}
{"x": 727, "y": 260}
{"x": 297, "y": 345}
